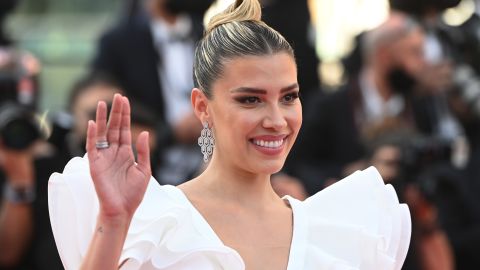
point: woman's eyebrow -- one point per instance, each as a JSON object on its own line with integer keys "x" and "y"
{"x": 290, "y": 87}
{"x": 249, "y": 90}
{"x": 252, "y": 90}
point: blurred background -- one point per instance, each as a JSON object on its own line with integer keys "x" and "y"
{"x": 389, "y": 83}
{"x": 63, "y": 34}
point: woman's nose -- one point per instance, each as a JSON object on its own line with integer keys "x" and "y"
{"x": 274, "y": 118}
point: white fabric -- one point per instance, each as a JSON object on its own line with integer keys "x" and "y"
{"x": 177, "y": 49}
{"x": 356, "y": 224}
{"x": 433, "y": 50}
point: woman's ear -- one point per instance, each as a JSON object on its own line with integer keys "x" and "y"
{"x": 200, "y": 105}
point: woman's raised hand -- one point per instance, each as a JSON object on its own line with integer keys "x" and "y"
{"x": 120, "y": 183}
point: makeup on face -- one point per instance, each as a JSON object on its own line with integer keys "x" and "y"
{"x": 257, "y": 111}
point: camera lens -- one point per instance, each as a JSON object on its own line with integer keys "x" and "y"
{"x": 18, "y": 127}
{"x": 19, "y": 134}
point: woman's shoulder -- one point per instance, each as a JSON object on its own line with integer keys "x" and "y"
{"x": 165, "y": 231}
{"x": 357, "y": 223}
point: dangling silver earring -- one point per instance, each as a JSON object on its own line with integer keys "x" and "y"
{"x": 206, "y": 142}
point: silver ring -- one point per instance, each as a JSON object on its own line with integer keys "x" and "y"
{"x": 101, "y": 144}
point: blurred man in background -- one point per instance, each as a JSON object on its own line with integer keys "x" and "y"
{"x": 331, "y": 142}
{"x": 151, "y": 55}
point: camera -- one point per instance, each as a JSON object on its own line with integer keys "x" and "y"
{"x": 421, "y": 151}
{"x": 422, "y": 160}
{"x": 19, "y": 126}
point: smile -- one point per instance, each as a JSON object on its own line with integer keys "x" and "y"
{"x": 268, "y": 144}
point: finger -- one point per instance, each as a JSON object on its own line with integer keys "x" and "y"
{"x": 125, "y": 133}
{"x": 91, "y": 140}
{"x": 101, "y": 122}
{"x": 113, "y": 127}
{"x": 143, "y": 153}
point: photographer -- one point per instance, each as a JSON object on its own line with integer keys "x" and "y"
{"x": 26, "y": 242}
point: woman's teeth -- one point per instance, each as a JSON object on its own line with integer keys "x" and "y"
{"x": 268, "y": 144}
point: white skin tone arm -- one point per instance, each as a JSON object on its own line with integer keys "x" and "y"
{"x": 120, "y": 183}
{"x": 107, "y": 243}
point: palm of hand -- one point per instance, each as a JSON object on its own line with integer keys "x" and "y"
{"x": 120, "y": 183}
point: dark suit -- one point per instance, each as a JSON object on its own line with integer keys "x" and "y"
{"x": 328, "y": 140}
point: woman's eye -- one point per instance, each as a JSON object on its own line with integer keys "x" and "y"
{"x": 248, "y": 100}
{"x": 290, "y": 97}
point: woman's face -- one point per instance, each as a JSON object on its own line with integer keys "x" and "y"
{"x": 255, "y": 112}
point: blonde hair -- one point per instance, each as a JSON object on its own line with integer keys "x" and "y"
{"x": 236, "y": 32}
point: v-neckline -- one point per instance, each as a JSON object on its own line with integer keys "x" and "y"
{"x": 296, "y": 257}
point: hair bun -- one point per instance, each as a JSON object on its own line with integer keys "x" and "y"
{"x": 241, "y": 10}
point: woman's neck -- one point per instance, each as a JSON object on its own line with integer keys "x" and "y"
{"x": 227, "y": 182}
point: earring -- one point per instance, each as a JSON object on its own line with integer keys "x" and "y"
{"x": 206, "y": 142}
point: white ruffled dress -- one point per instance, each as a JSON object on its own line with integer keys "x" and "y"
{"x": 355, "y": 224}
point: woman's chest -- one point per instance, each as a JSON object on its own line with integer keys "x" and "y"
{"x": 263, "y": 242}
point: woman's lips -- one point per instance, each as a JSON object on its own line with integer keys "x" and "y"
{"x": 269, "y": 144}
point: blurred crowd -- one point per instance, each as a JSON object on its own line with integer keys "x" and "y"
{"x": 409, "y": 105}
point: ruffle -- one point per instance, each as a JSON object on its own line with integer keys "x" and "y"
{"x": 162, "y": 235}
{"x": 356, "y": 224}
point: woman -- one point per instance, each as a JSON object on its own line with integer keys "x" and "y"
{"x": 229, "y": 217}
